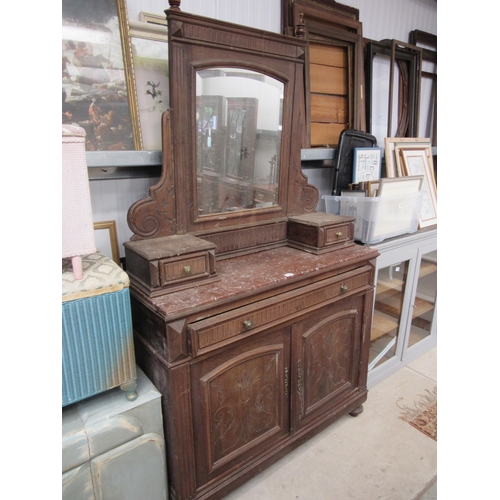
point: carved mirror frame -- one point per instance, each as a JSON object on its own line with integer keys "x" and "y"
{"x": 195, "y": 43}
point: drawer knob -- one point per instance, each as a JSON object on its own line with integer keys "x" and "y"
{"x": 344, "y": 288}
{"x": 339, "y": 234}
{"x": 248, "y": 323}
{"x": 187, "y": 269}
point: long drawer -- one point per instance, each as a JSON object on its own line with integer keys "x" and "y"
{"x": 217, "y": 331}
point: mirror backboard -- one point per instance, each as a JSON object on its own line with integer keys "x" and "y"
{"x": 231, "y": 156}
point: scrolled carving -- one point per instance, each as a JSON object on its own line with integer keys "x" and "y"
{"x": 154, "y": 216}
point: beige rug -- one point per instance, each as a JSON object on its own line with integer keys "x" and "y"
{"x": 423, "y": 415}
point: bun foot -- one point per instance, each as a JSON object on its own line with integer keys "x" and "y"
{"x": 356, "y": 411}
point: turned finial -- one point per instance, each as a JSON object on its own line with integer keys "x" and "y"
{"x": 174, "y": 4}
{"x": 300, "y": 29}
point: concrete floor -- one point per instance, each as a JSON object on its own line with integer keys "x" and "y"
{"x": 376, "y": 455}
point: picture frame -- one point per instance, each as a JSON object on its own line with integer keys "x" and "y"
{"x": 149, "y": 45}
{"x": 392, "y": 166}
{"x": 98, "y": 86}
{"x": 372, "y": 188}
{"x": 393, "y": 186}
{"x": 395, "y": 209}
{"x": 107, "y": 243}
{"x": 417, "y": 160}
{"x": 367, "y": 164}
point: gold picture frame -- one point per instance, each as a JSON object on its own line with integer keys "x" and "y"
{"x": 108, "y": 245}
{"x": 98, "y": 85}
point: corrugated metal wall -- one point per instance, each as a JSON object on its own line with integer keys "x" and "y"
{"x": 381, "y": 19}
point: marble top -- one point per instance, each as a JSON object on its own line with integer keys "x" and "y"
{"x": 263, "y": 271}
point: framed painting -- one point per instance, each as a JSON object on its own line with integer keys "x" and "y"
{"x": 149, "y": 42}
{"x": 366, "y": 164}
{"x": 400, "y": 186}
{"x": 392, "y": 166}
{"x": 97, "y": 74}
{"x": 106, "y": 239}
{"x": 395, "y": 212}
{"x": 417, "y": 160}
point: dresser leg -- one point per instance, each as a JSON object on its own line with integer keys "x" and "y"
{"x": 356, "y": 411}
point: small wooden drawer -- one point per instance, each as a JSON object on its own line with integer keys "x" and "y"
{"x": 213, "y": 333}
{"x": 338, "y": 234}
{"x": 184, "y": 268}
{"x": 320, "y": 232}
{"x": 162, "y": 265}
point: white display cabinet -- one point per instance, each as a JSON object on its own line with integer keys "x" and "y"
{"x": 405, "y": 304}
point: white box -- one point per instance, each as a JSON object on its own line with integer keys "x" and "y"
{"x": 114, "y": 449}
{"x": 378, "y": 218}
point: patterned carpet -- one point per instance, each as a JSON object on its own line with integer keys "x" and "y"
{"x": 424, "y": 414}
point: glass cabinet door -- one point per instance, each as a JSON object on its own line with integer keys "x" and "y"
{"x": 389, "y": 307}
{"x": 422, "y": 323}
{"x": 405, "y": 306}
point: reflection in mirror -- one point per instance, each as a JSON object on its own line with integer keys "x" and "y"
{"x": 238, "y": 124}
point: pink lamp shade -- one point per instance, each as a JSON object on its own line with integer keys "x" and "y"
{"x": 77, "y": 223}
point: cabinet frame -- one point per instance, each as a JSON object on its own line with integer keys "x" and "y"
{"x": 409, "y": 248}
{"x": 182, "y": 375}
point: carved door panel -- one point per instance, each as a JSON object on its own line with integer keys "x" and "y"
{"x": 325, "y": 360}
{"x": 241, "y": 396}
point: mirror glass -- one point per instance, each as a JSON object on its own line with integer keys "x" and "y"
{"x": 238, "y": 139}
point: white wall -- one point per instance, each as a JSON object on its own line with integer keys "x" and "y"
{"x": 392, "y": 19}
{"x": 395, "y": 19}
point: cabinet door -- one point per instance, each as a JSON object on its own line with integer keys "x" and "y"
{"x": 394, "y": 280}
{"x": 326, "y": 360}
{"x": 240, "y": 403}
{"x": 422, "y": 325}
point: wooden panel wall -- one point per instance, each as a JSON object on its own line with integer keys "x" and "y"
{"x": 328, "y": 73}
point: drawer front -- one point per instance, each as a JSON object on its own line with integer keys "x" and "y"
{"x": 339, "y": 234}
{"x": 212, "y": 333}
{"x": 184, "y": 268}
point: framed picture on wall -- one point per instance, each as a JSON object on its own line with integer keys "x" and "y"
{"x": 97, "y": 74}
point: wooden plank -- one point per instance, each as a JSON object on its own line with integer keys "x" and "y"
{"x": 327, "y": 80}
{"x": 328, "y": 109}
{"x": 323, "y": 134}
{"x": 328, "y": 55}
{"x": 421, "y": 307}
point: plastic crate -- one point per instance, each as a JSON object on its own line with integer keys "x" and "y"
{"x": 378, "y": 218}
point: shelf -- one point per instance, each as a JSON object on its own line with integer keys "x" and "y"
{"x": 387, "y": 313}
{"x": 427, "y": 267}
{"x": 123, "y": 164}
{"x": 382, "y": 324}
{"x": 386, "y": 286}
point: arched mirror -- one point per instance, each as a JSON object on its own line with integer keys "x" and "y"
{"x": 238, "y": 139}
{"x": 232, "y": 138}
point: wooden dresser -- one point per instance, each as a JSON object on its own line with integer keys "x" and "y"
{"x": 251, "y": 316}
{"x": 252, "y": 365}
